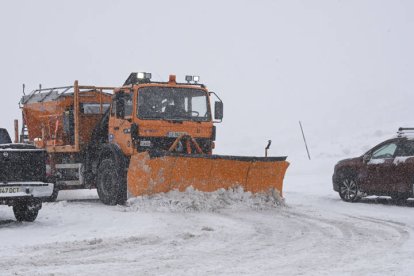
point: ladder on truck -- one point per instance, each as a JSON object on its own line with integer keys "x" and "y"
{"x": 24, "y": 133}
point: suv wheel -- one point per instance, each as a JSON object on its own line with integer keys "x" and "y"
{"x": 348, "y": 189}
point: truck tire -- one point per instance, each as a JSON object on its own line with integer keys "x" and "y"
{"x": 111, "y": 184}
{"x": 27, "y": 211}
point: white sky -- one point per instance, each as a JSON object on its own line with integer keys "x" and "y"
{"x": 339, "y": 66}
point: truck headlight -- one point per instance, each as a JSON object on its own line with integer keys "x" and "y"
{"x": 189, "y": 79}
{"x": 144, "y": 76}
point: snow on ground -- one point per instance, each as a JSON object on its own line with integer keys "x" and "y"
{"x": 312, "y": 232}
{"x": 189, "y": 234}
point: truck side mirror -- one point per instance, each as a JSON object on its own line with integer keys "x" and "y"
{"x": 120, "y": 108}
{"x": 134, "y": 132}
{"x": 218, "y": 110}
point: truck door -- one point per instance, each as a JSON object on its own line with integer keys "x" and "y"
{"x": 119, "y": 129}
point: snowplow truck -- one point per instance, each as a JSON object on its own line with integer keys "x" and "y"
{"x": 142, "y": 138}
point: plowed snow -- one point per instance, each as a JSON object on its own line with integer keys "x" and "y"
{"x": 192, "y": 201}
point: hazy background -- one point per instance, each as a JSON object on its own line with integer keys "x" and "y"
{"x": 345, "y": 68}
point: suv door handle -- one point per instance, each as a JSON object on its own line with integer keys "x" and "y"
{"x": 116, "y": 128}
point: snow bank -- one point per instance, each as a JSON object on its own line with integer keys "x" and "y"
{"x": 192, "y": 200}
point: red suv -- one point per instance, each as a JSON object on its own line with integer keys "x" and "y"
{"x": 385, "y": 170}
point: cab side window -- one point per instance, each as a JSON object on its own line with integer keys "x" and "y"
{"x": 4, "y": 137}
{"x": 127, "y": 105}
{"x": 122, "y": 105}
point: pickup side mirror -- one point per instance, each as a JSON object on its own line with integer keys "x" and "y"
{"x": 218, "y": 110}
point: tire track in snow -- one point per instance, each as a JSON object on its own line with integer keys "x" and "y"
{"x": 357, "y": 240}
{"x": 344, "y": 239}
{"x": 401, "y": 228}
{"x": 232, "y": 242}
{"x": 62, "y": 257}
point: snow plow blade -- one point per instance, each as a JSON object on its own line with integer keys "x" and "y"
{"x": 156, "y": 172}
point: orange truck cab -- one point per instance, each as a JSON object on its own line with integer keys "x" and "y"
{"x": 148, "y": 115}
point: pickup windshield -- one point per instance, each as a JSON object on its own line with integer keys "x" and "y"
{"x": 171, "y": 103}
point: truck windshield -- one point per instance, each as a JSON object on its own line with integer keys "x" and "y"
{"x": 171, "y": 103}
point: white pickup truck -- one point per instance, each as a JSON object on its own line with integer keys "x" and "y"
{"x": 23, "y": 183}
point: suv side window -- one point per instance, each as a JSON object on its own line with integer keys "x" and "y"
{"x": 406, "y": 148}
{"x": 385, "y": 151}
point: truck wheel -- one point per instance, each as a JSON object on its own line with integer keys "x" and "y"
{"x": 27, "y": 211}
{"x": 348, "y": 189}
{"x": 110, "y": 183}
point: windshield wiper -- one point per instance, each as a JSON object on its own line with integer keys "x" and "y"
{"x": 174, "y": 120}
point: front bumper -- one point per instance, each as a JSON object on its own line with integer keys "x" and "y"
{"x": 20, "y": 189}
{"x": 335, "y": 183}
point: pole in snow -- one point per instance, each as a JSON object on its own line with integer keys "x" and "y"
{"x": 267, "y": 147}
{"x": 304, "y": 140}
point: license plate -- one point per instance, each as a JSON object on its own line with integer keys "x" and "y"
{"x": 145, "y": 143}
{"x": 9, "y": 190}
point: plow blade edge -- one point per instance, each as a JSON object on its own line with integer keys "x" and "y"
{"x": 156, "y": 172}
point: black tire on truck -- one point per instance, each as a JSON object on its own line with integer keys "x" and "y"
{"x": 27, "y": 210}
{"x": 111, "y": 182}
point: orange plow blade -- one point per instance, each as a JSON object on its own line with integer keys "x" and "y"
{"x": 156, "y": 172}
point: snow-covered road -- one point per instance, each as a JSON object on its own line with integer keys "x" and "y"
{"x": 314, "y": 234}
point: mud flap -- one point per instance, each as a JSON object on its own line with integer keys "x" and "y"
{"x": 155, "y": 172}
